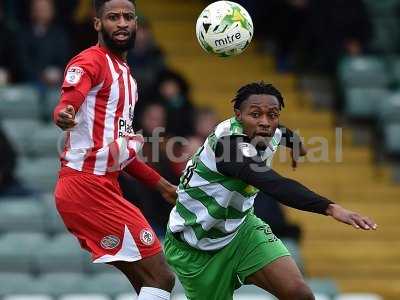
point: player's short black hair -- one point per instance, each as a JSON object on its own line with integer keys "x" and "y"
{"x": 257, "y": 88}
{"x": 98, "y": 5}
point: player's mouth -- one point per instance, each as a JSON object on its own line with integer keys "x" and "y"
{"x": 264, "y": 133}
{"x": 121, "y": 36}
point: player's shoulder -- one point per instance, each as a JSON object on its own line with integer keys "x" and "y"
{"x": 233, "y": 144}
{"x": 234, "y": 139}
{"x": 93, "y": 54}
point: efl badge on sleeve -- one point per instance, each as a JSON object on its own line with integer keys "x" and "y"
{"x": 74, "y": 75}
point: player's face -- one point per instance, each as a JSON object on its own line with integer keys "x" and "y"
{"x": 117, "y": 25}
{"x": 259, "y": 115}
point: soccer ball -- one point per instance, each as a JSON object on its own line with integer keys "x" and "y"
{"x": 224, "y": 28}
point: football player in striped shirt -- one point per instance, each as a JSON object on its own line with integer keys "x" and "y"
{"x": 96, "y": 108}
{"x": 214, "y": 242}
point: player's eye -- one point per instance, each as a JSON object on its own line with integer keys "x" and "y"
{"x": 255, "y": 114}
{"x": 113, "y": 17}
{"x": 273, "y": 115}
{"x": 129, "y": 17}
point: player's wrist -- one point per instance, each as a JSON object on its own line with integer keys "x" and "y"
{"x": 167, "y": 190}
{"x": 332, "y": 208}
{"x": 162, "y": 184}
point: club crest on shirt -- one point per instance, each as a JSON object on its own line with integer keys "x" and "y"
{"x": 247, "y": 149}
{"x": 110, "y": 242}
{"x": 74, "y": 75}
{"x": 147, "y": 236}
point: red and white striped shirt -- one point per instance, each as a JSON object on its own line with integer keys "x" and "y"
{"x": 102, "y": 140}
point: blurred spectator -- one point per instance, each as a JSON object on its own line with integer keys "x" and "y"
{"x": 283, "y": 22}
{"x": 204, "y": 122}
{"x": 205, "y": 119}
{"x": 332, "y": 30}
{"x": 152, "y": 204}
{"x": 7, "y": 164}
{"x": 9, "y": 185}
{"x": 44, "y": 46}
{"x": 19, "y": 11}
{"x": 311, "y": 35}
{"x": 81, "y": 28}
{"x": 8, "y": 57}
{"x": 146, "y": 59}
{"x": 174, "y": 93}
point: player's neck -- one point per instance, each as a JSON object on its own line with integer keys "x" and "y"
{"x": 121, "y": 55}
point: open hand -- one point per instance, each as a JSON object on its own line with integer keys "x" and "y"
{"x": 66, "y": 118}
{"x": 349, "y": 217}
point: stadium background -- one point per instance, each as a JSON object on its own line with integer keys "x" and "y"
{"x": 337, "y": 65}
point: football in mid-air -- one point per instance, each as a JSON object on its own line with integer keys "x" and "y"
{"x": 224, "y": 28}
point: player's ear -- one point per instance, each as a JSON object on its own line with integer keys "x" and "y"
{"x": 97, "y": 24}
{"x": 238, "y": 114}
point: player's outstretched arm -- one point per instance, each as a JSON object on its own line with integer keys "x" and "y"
{"x": 64, "y": 113}
{"x": 150, "y": 177}
{"x": 233, "y": 159}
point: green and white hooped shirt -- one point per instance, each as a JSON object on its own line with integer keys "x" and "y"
{"x": 211, "y": 206}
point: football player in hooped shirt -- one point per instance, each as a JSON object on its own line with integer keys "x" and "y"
{"x": 96, "y": 111}
{"x": 214, "y": 242}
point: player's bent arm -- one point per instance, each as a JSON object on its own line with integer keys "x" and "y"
{"x": 150, "y": 177}
{"x": 83, "y": 72}
{"x": 252, "y": 170}
{"x": 292, "y": 140}
{"x": 64, "y": 113}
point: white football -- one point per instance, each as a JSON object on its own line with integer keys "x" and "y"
{"x": 224, "y": 28}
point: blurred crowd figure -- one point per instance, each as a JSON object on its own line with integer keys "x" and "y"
{"x": 311, "y": 35}
{"x": 8, "y": 46}
{"x": 10, "y": 186}
{"x": 43, "y": 45}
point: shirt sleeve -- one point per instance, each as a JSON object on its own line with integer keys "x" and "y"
{"x": 143, "y": 172}
{"x": 83, "y": 72}
{"x": 69, "y": 97}
{"x": 237, "y": 157}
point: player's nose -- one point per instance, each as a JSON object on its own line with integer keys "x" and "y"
{"x": 122, "y": 23}
{"x": 264, "y": 122}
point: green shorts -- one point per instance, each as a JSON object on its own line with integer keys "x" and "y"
{"x": 214, "y": 275}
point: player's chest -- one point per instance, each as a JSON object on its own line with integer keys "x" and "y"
{"x": 119, "y": 88}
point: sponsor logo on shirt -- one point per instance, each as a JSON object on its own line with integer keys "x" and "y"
{"x": 74, "y": 75}
{"x": 125, "y": 127}
{"x": 110, "y": 242}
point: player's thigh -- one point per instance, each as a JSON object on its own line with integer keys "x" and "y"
{"x": 257, "y": 247}
{"x": 281, "y": 278}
